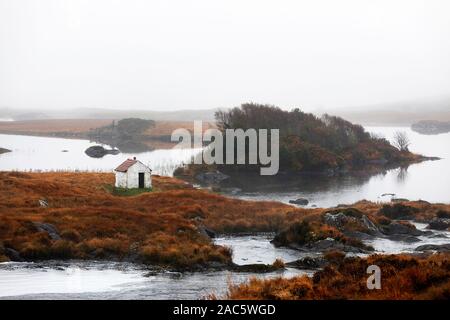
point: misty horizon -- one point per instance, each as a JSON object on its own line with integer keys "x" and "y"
{"x": 171, "y": 56}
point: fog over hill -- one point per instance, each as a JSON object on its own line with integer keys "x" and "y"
{"x": 397, "y": 113}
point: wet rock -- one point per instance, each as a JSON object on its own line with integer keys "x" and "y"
{"x": 13, "y": 255}
{"x": 397, "y": 228}
{"x": 99, "y": 151}
{"x": 308, "y": 263}
{"x": 442, "y": 214}
{"x": 403, "y": 238}
{"x": 212, "y": 177}
{"x": 300, "y": 201}
{"x": 207, "y": 232}
{"x": 351, "y": 221}
{"x": 3, "y": 150}
{"x": 255, "y": 268}
{"x": 332, "y": 244}
{"x": 49, "y": 229}
{"x": 439, "y": 224}
{"x": 434, "y": 247}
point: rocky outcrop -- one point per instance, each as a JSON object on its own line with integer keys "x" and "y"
{"x": 3, "y": 150}
{"x": 303, "y": 237}
{"x": 308, "y": 263}
{"x": 401, "y": 228}
{"x": 206, "y": 232}
{"x": 439, "y": 224}
{"x": 300, "y": 201}
{"x": 351, "y": 221}
{"x": 434, "y": 247}
{"x": 99, "y": 151}
{"x": 49, "y": 229}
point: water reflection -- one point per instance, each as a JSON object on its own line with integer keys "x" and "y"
{"x": 47, "y": 154}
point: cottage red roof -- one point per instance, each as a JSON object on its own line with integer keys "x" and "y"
{"x": 125, "y": 165}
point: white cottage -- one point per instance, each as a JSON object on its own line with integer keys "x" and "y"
{"x": 133, "y": 174}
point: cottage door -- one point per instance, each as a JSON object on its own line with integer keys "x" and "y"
{"x": 141, "y": 180}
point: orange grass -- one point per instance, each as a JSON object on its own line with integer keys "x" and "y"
{"x": 159, "y": 227}
{"x": 402, "y": 277}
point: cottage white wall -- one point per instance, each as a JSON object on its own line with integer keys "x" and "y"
{"x": 121, "y": 180}
{"x": 131, "y": 177}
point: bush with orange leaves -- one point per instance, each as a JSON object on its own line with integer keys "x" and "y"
{"x": 402, "y": 277}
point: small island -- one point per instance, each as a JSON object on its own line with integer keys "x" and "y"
{"x": 431, "y": 127}
{"x": 308, "y": 144}
{"x": 3, "y": 150}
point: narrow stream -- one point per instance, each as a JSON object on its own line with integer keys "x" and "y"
{"x": 113, "y": 280}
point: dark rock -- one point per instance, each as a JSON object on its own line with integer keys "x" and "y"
{"x": 49, "y": 229}
{"x": 300, "y": 201}
{"x": 403, "y": 238}
{"x": 13, "y": 255}
{"x": 434, "y": 247}
{"x": 3, "y": 150}
{"x": 332, "y": 244}
{"x": 212, "y": 177}
{"x": 397, "y": 200}
{"x": 439, "y": 224}
{"x": 99, "y": 151}
{"x": 443, "y": 214}
{"x": 308, "y": 263}
{"x": 347, "y": 219}
{"x": 64, "y": 150}
{"x": 207, "y": 232}
{"x": 255, "y": 268}
{"x": 396, "y": 228}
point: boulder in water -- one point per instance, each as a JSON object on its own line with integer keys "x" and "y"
{"x": 434, "y": 247}
{"x": 99, "y": 151}
{"x": 3, "y": 150}
{"x": 439, "y": 224}
{"x": 300, "y": 201}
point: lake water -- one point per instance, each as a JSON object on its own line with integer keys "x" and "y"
{"x": 47, "y": 154}
{"x": 112, "y": 280}
{"x": 428, "y": 180}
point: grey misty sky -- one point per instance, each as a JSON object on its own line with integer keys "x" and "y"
{"x": 179, "y": 54}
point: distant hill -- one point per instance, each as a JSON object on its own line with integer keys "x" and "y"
{"x": 397, "y": 114}
{"x": 99, "y": 113}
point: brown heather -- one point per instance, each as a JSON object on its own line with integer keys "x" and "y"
{"x": 159, "y": 227}
{"x": 402, "y": 277}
